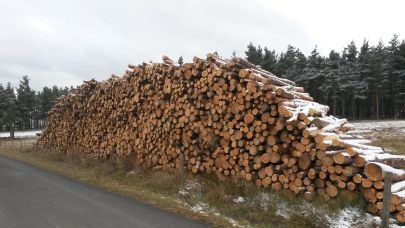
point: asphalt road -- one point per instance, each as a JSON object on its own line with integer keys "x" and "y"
{"x": 31, "y": 197}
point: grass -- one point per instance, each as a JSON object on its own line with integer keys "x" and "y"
{"x": 388, "y": 136}
{"x": 200, "y": 197}
{"x": 395, "y": 144}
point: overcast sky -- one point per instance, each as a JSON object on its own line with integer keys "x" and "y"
{"x": 63, "y": 42}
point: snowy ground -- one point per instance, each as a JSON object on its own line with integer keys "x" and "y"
{"x": 347, "y": 217}
{"x": 372, "y": 128}
{"x": 20, "y": 134}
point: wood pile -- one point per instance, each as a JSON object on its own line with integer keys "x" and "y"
{"x": 227, "y": 117}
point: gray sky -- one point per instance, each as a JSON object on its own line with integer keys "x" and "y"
{"x": 63, "y": 42}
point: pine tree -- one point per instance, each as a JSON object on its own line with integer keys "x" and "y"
{"x": 286, "y": 63}
{"x": 254, "y": 54}
{"x": 352, "y": 85}
{"x": 330, "y": 86}
{"x": 10, "y": 110}
{"x": 364, "y": 83}
{"x": 25, "y": 101}
{"x": 2, "y": 106}
{"x": 313, "y": 75}
{"x": 365, "y": 70}
{"x": 45, "y": 99}
{"x": 400, "y": 70}
{"x": 180, "y": 60}
{"x": 269, "y": 60}
{"x": 36, "y": 113}
{"x": 291, "y": 64}
{"x": 376, "y": 80}
{"x": 391, "y": 70}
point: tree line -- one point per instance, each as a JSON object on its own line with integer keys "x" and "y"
{"x": 357, "y": 83}
{"x": 23, "y": 108}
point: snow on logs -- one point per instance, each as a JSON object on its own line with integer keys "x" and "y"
{"x": 227, "y": 117}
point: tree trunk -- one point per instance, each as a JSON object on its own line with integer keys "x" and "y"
{"x": 12, "y": 129}
{"x": 403, "y": 107}
{"x": 343, "y": 108}
{"x": 353, "y": 109}
{"x": 334, "y": 103}
{"x": 377, "y": 107}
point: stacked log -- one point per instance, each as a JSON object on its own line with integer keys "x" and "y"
{"x": 227, "y": 117}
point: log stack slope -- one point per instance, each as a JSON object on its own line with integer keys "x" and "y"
{"x": 227, "y": 117}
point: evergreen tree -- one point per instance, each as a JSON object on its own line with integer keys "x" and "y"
{"x": 377, "y": 78}
{"x": 313, "y": 75}
{"x": 400, "y": 71}
{"x": 291, "y": 63}
{"x": 269, "y": 60}
{"x": 365, "y": 70}
{"x": 254, "y": 54}
{"x": 180, "y": 60}
{"x": 358, "y": 84}
{"x": 23, "y": 108}
{"x": 25, "y": 102}
{"x": 46, "y": 97}
{"x": 392, "y": 65}
{"x": 2, "y": 106}
{"x": 36, "y": 113}
{"x": 330, "y": 85}
{"x": 9, "y": 108}
{"x": 351, "y": 84}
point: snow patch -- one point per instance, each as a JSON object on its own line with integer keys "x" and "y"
{"x": 282, "y": 209}
{"x": 374, "y": 128}
{"x": 183, "y": 192}
{"x": 205, "y": 209}
{"x": 379, "y": 125}
{"x": 308, "y": 210}
{"x": 345, "y": 218}
{"x": 262, "y": 200}
{"x": 239, "y": 200}
{"x": 20, "y": 134}
{"x": 189, "y": 186}
{"x": 353, "y": 217}
{"x": 200, "y": 208}
{"x": 233, "y": 222}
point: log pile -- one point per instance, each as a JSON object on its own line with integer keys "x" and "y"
{"x": 227, "y": 117}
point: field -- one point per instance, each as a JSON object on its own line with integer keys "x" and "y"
{"x": 203, "y": 197}
{"x": 389, "y": 135}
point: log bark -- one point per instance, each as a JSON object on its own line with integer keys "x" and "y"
{"x": 376, "y": 171}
